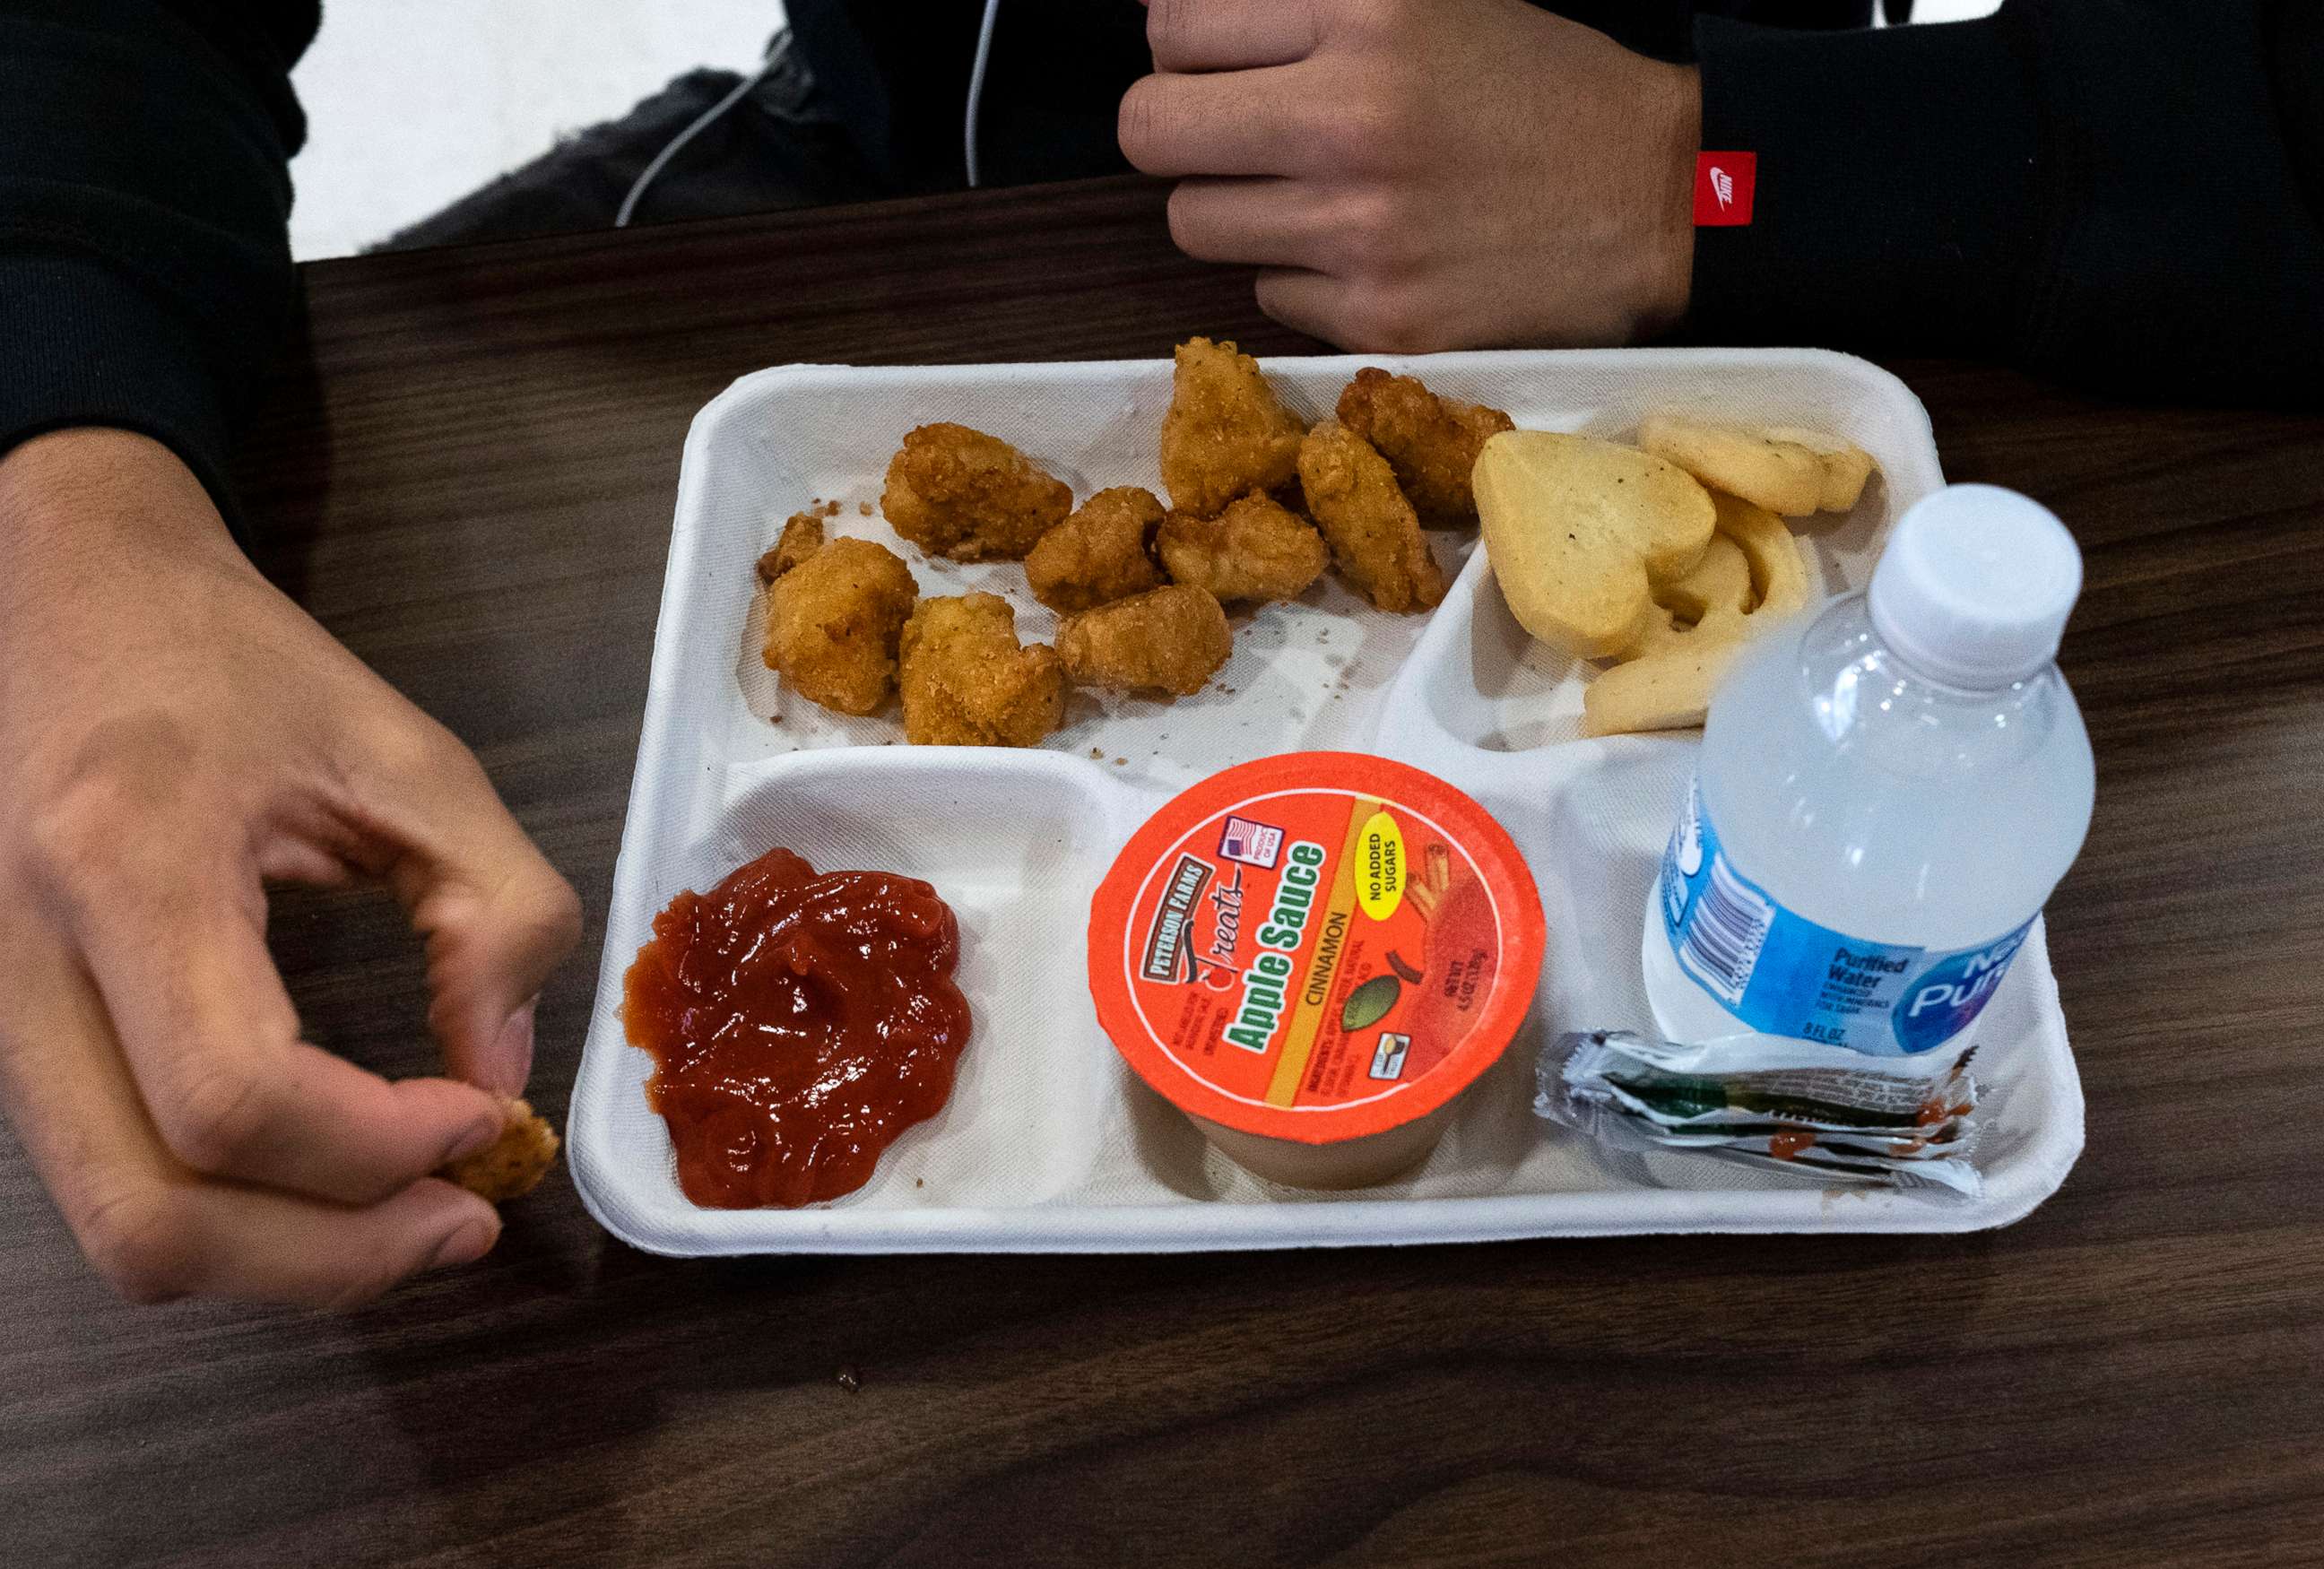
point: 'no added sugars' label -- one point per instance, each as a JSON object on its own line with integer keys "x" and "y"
{"x": 1315, "y": 946}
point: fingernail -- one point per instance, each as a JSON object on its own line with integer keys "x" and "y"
{"x": 471, "y": 1242}
{"x": 514, "y": 1050}
{"x": 475, "y": 1142}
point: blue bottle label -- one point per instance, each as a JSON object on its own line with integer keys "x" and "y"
{"x": 1782, "y": 974}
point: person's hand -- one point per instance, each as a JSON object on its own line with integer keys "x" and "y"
{"x": 173, "y": 732}
{"x": 1423, "y": 174}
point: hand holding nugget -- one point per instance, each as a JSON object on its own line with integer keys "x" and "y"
{"x": 152, "y": 1062}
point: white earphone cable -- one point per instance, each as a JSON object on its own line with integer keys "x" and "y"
{"x": 976, "y": 91}
{"x": 702, "y": 122}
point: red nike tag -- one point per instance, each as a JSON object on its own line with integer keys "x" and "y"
{"x": 1723, "y": 184}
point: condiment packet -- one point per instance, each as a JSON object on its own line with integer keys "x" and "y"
{"x": 1635, "y": 1092}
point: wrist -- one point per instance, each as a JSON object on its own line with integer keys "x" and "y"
{"x": 1672, "y": 133}
{"x": 89, "y": 489}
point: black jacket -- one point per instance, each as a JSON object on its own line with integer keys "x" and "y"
{"x": 2128, "y": 193}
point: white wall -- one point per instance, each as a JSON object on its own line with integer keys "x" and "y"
{"x": 1954, "y": 10}
{"x": 413, "y": 103}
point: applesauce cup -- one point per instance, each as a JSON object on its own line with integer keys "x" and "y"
{"x": 1312, "y": 956}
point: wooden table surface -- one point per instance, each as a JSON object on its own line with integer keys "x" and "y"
{"x": 469, "y": 479}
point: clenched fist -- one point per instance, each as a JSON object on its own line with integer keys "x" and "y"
{"x": 1423, "y": 174}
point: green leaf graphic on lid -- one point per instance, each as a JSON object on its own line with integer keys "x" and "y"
{"x": 1369, "y": 1003}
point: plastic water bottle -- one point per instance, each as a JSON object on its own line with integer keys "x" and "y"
{"x": 1887, "y": 793}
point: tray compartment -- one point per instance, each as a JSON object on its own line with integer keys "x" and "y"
{"x": 1014, "y": 842}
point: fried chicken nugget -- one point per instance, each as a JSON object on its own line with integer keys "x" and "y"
{"x": 834, "y": 622}
{"x": 1375, "y": 538}
{"x": 1173, "y": 638}
{"x": 1255, "y": 550}
{"x": 1431, "y": 442}
{"x": 802, "y": 537}
{"x": 1225, "y": 432}
{"x": 1098, "y": 553}
{"x": 511, "y": 1165}
{"x": 956, "y": 492}
{"x": 968, "y": 682}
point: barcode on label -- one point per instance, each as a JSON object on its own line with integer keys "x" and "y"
{"x": 1723, "y": 940}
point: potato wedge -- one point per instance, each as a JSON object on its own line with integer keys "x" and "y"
{"x": 1670, "y": 686}
{"x": 1846, "y": 465}
{"x": 1721, "y": 580}
{"x": 1779, "y": 572}
{"x": 1782, "y": 476}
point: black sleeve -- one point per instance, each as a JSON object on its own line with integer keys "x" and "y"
{"x": 144, "y": 193}
{"x": 2123, "y": 193}
{"x": 895, "y": 73}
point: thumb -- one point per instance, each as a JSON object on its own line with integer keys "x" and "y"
{"x": 496, "y": 916}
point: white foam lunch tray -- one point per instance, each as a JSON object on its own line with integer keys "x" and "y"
{"x": 1049, "y": 1143}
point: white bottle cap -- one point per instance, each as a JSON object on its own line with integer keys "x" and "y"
{"x": 1975, "y": 586}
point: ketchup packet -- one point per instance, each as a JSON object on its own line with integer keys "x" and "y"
{"x": 1839, "y": 1125}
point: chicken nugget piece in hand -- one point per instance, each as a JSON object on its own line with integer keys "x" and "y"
{"x": 959, "y": 492}
{"x": 1255, "y": 550}
{"x": 511, "y": 1165}
{"x": 1098, "y": 553}
{"x": 802, "y": 537}
{"x": 1225, "y": 432}
{"x": 968, "y": 682}
{"x": 1171, "y": 639}
{"x": 1375, "y": 538}
{"x": 1430, "y": 442}
{"x": 834, "y": 622}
